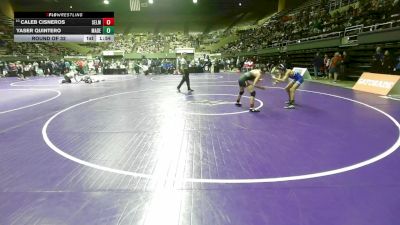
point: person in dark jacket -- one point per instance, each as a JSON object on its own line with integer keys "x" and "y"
{"x": 318, "y": 64}
{"x": 388, "y": 63}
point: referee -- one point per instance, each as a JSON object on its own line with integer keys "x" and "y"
{"x": 184, "y": 69}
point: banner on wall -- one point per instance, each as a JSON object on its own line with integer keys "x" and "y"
{"x": 185, "y": 50}
{"x": 113, "y": 53}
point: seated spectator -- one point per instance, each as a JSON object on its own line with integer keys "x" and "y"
{"x": 388, "y": 63}
{"x": 377, "y": 61}
{"x": 397, "y": 67}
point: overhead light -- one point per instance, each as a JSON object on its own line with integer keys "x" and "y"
{"x": 195, "y": 1}
{"x": 106, "y": 2}
{"x": 150, "y": 1}
{"x": 240, "y": 4}
{"x": 70, "y": 6}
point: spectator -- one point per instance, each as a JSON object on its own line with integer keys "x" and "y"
{"x": 344, "y": 64}
{"x": 20, "y": 70}
{"x": 388, "y": 63}
{"x": 327, "y": 62}
{"x": 377, "y": 61}
{"x": 2, "y": 68}
{"x": 334, "y": 67}
{"x": 397, "y": 67}
{"x": 318, "y": 64}
{"x": 249, "y": 65}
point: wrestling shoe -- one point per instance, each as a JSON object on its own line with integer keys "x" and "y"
{"x": 254, "y": 110}
{"x": 288, "y": 103}
{"x": 289, "y": 107}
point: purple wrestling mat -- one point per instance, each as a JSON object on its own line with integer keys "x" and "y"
{"x": 131, "y": 150}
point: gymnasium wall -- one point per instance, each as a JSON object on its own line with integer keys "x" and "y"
{"x": 387, "y": 35}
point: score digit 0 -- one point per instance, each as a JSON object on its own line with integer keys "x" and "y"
{"x": 108, "y": 30}
{"x": 108, "y": 21}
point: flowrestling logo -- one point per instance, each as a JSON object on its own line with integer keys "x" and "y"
{"x": 70, "y": 14}
{"x": 377, "y": 83}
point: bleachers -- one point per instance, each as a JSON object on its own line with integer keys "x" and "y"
{"x": 337, "y": 4}
{"x": 280, "y": 31}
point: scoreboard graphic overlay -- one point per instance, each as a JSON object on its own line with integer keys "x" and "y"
{"x": 64, "y": 27}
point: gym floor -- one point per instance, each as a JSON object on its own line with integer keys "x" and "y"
{"x": 132, "y": 150}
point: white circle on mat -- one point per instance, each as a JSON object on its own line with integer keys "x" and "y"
{"x": 22, "y": 83}
{"x": 228, "y": 113}
{"x": 384, "y": 154}
{"x": 33, "y": 104}
{"x": 179, "y": 77}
